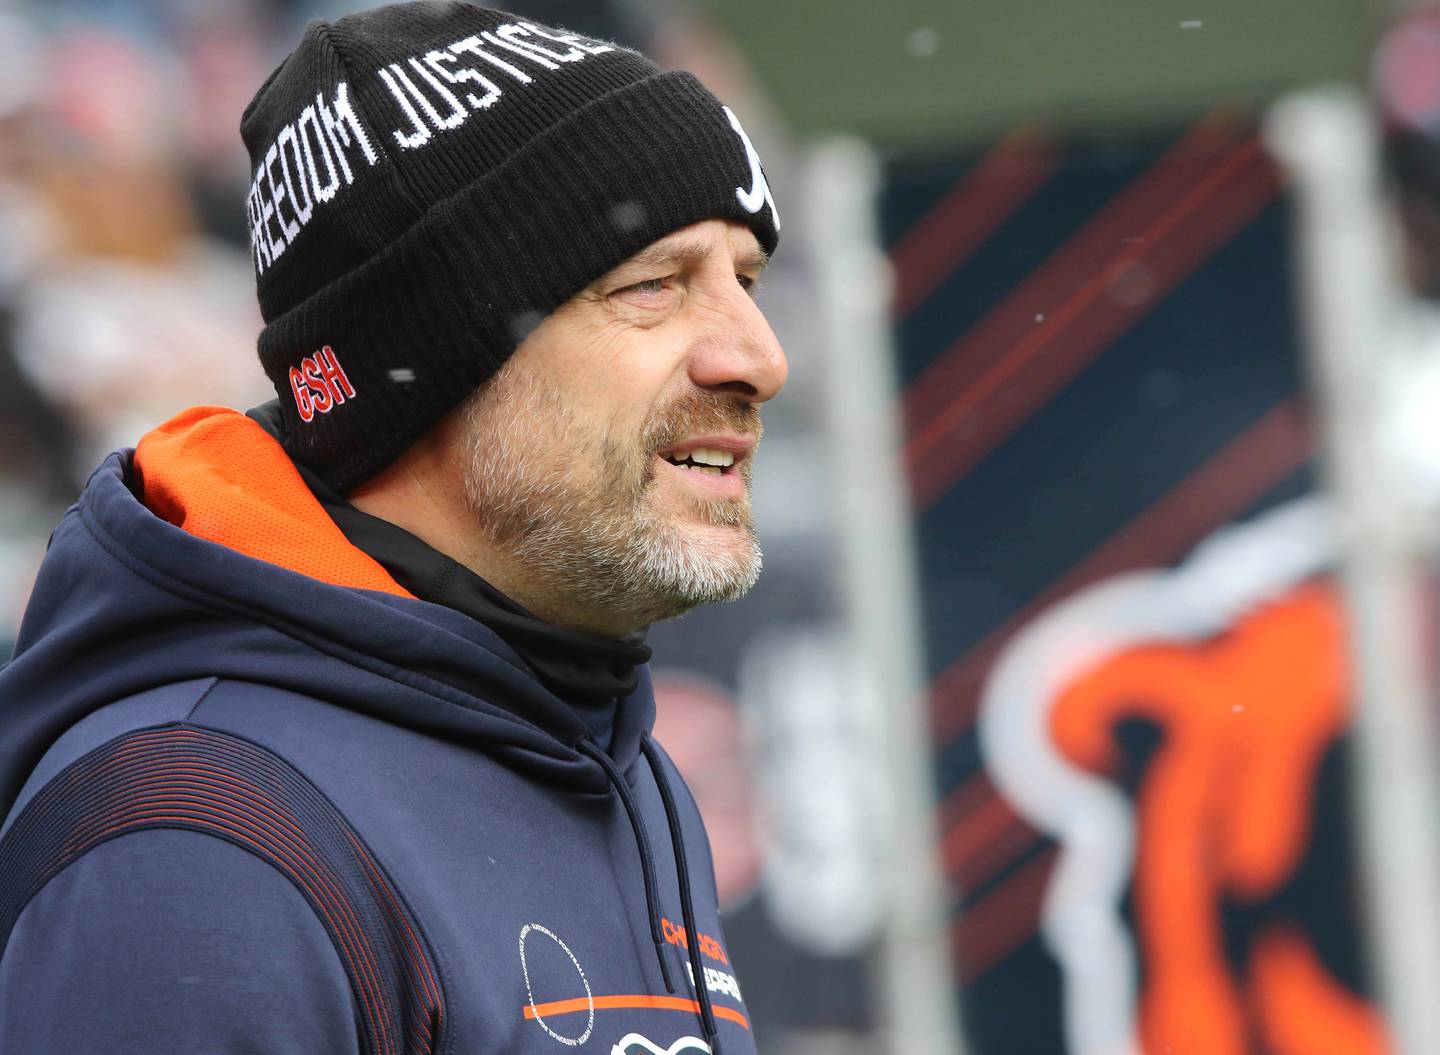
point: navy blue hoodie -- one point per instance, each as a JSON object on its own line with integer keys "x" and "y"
{"x": 258, "y": 798}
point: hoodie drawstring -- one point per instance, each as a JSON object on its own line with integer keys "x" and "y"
{"x": 642, "y": 843}
{"x": 687, "y": 905}
{"x": 647, "y": 868}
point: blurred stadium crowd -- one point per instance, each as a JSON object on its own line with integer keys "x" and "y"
{"x": 125, "y": 288}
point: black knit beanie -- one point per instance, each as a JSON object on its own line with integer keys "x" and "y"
{"x": 430, "y": 180}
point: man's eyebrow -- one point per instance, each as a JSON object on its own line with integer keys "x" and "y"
{"x": 686, "y": 253}
{"x": 756, "y": 261}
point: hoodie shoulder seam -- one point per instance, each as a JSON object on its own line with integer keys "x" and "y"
{"x": 190, "y": 714}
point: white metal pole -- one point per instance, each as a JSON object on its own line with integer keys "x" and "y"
{"x": 916, "y": 980}
{"x": 1353, "y": 303}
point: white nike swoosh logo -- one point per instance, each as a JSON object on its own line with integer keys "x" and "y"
{"x": 758, "y": 195}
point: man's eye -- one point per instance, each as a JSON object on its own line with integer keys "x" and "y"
{"x": 650, "y": 285}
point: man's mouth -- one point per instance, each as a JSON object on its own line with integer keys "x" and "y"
{"x": 715, "y": 464}
{"x": 707, "y": 460}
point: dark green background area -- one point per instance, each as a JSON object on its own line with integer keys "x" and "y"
{"x": 1091, "y": 66}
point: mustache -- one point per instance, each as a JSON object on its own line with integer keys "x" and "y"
{"x": 699, "y": 413}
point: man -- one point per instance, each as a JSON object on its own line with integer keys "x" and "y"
{"x": 327, "y": 726}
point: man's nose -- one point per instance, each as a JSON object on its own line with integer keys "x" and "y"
{"x": 739, "y": 352}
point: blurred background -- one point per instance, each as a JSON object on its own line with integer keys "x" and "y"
{"x": 1086, "y": 704}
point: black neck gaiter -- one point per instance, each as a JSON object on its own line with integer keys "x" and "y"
{"x": 588, "y": 671}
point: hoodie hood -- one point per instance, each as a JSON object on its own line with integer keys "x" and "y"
{"x": 202, "y": 553}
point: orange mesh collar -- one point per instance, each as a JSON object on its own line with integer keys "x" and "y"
{"x": 218, "y": 475}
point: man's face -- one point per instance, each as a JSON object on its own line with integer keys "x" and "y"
{"x": 572, "y": 448}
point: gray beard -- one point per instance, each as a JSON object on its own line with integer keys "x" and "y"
{"x": 601, "y": 542}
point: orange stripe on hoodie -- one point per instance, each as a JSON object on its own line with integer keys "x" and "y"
{"x": 219, "y": 476}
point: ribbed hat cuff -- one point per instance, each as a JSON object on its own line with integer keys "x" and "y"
{"x": 421, "y": 325}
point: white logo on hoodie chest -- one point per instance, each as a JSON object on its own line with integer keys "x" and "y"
{"x": 533, "y": 1011}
